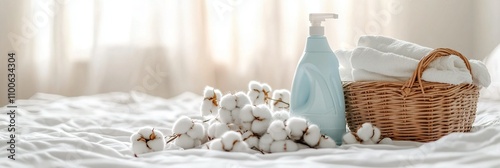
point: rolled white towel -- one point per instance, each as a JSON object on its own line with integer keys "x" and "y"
{"x": 372, "y": 65}
{"x": 388, "y": 64}
{"x": 448, "y": 69}
{"x": 390, "y": 45}
{"x": 480, "y": 74}
{"x": 446, "y": 76}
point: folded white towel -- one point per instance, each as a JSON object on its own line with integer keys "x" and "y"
{"x": 344, "y": 57}
{"x": 370, "y": 64}
{"x": 390, "y": 45}
{"x": 388, "y": 64}
{"x": 387, "y": 59}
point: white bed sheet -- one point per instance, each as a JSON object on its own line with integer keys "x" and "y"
{"x": 94, "y": 131}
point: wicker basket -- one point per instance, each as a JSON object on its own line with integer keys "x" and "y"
{"x": 409, "y": 111}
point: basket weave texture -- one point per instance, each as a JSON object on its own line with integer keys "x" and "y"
{"x": 414, "y": 110}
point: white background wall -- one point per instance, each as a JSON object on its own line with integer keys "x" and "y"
{"x": 486, "y": 27}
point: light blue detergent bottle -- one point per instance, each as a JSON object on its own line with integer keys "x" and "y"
{"x": 317, "y": 92}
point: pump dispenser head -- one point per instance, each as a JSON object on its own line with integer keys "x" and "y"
{"x": 316, "y": 19}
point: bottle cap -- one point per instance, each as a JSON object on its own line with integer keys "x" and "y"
{"x": 316, "y": 19}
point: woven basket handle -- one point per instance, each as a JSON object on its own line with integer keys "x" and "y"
{"x": 424, "y": 62}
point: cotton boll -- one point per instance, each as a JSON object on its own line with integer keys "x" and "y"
{"x": 138, "y": 146}
{"x": 147, "y": 140}
{"x": 205, "y": 125}
{"x": 369, "y": 142}
{"x": 260, "y": 127}
{"x": 265, "y": 142}
{"x": 218, "y": 93}
{"x": 246, "y": 126}
{"x": 281, "y": 115}
{"x": 184, "y": 141}
{"x": 258, "y": 121}
{"x": 197, "y": 131}
{"x": 209, "y": 92}
{"x": 233, "y": 127}
{"x": 250, "y": 138}
{"x": 255, "y": 93}
{"x": 376, "y": 134}
{"x": 252, "y": 141}
{"x": 225, "y": 116}
{"x": 232, "y": 114}
{"x": 207, "y": 108}
{"x": 385, "y": 141}
{"x": 246, "y": 113}
{"x": 285, "y": 95}
{"x": 206, "y": 145}
{"x": 279, "y": 99}
{"x": 216, "y": 144}
{"x": 260, "y": 100}
{"x": 262, "y": 111}
{"x": 182, "y": 125}
{"x": 217, "y": 129}
{"x": 295, "y": 127}
{"x": 220, "y": 129}
{"x": 326, "y": 142}
{"x": 229, "y": 139}
{"x": 211, "y": 131}
{"x": 277, "y": 146}
{"x": 158, "y": 142}
{"x": 241, "y": 99}
{"x": 277, "y": 130}
{"x": 266, "y": 90}
{"x": 365, "y": 132}
{"x": 254, "y": 85}
{"x": 262, "y": 120}
{"x": 235, "y": 116}
{"x": 302, "y": 146}
{"x": 283, "y": 146}
{"x": 312, "y": 135}
{"x": 210, "y": 102}
{"x": 291, "y": 146}
{"x": 367, "y": 125}
{"x": 228, "y": 102}
{"x": 240, "y": 146}
{"x": 349, "y": 138}
{"x": 145, "y": 132}
{"x": 197, "y": 143}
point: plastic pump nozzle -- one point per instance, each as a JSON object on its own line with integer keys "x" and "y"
{"x": 316, "y": 19}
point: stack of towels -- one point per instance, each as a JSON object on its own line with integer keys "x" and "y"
{"x": 379, "y": 58}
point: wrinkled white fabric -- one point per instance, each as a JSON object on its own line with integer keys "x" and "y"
{"x": 94, "y": 131}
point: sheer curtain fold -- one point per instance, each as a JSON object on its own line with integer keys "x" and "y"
{"x": 168, "y": 47}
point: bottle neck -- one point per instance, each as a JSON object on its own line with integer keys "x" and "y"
{"x": 317, "y": 43}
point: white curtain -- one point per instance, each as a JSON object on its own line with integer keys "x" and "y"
{"x": 166, "y": 47}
